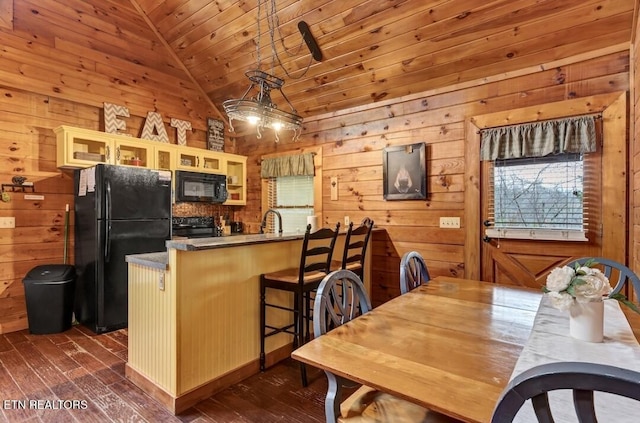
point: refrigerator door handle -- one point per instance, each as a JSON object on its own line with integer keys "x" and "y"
{"x": 107, "y": 237}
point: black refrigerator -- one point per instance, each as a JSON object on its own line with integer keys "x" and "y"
{"x": 118, "y": 211}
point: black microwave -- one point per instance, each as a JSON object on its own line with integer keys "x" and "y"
{"x": 200, "y": 187}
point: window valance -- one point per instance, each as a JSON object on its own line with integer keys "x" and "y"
{"x": 293, "y": 165}
{"x": 539, "y": 139}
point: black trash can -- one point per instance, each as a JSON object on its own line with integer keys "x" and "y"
{"x": 49, "y": 291}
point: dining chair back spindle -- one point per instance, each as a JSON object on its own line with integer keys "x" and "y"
{"x": 302, "y": 281}
{"x": 612, "y": 268}
{"x": 413, "y": 271}
{"x": 340, "y": 298}
{"x": 582, "y": 378}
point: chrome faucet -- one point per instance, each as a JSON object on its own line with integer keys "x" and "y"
{"x": 264, "y": 220}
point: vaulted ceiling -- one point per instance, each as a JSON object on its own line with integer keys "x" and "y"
{"x": 375, "y": 49}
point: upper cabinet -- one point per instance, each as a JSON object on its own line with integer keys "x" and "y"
{"x": 236, "y": 169}
{"x": 200, "y": 160}
{"x": 79, "y": 148}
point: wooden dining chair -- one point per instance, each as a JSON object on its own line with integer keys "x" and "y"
{"x": 583, "y": 379}
{"x": 302, "y": 281}
{"x": 610, "y": 268}
{"x": 355, "y": 248}
{"x": 413, "y": 271}
{"x": 340, "y": 298}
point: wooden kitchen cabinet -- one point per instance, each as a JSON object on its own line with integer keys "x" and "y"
{"x": 129, "y": 152}
{"x": 164, "y": 156}
{"x": 200, "y": 160}
{"x": 79, "y": 148}
{"x": 236, "y": 179}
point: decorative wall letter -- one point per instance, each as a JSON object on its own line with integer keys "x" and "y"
{"x": 181, "y": 128}
{"x": 111, "y": 122}
{"x": 154, "y": 128}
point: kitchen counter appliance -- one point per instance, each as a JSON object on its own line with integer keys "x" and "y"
{"x": 119, "y": 211}
{"x": 198, "y": 187}
{"x": 195, "y": 227}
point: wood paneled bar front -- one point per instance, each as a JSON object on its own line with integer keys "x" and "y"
{"x": 194, "y": 313}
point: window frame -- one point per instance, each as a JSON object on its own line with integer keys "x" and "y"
{"x": 539, "y": 233}
{"x": 317, "y": 179}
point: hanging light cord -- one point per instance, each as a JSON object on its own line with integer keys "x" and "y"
{"x": 273, "y": 23}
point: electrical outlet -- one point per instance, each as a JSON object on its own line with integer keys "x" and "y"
{"x": 450, "y": 222}
{"x": 346, "y": 221}
{"x": 7, "y": 222}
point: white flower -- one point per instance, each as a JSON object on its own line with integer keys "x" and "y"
{"x": 560, "y": 278}
{"x": 560, "y": 300}
{"x": 568, "y": 285}
{"x": 595, "y": 285}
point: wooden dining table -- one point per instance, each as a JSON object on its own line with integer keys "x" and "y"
{"x": 450, "y": 345}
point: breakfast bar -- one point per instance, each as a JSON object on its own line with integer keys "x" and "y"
{"x": 194, "y": 313}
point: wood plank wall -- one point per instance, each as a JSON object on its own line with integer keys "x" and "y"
{"x": 60, "y": 60}
{"x": 353, "y": 140}
{"x": 634, "y": 136}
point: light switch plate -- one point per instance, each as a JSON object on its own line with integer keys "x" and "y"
{"x": 450, "y": 222}
{"x": 7, "y": 222}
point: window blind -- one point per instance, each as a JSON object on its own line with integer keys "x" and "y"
{"x": 540, "y": 198}
{"x": 292, "y": 197}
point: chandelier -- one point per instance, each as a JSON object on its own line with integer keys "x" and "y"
{"x": 255, "y": 106}
{"x": 260, "y": 110}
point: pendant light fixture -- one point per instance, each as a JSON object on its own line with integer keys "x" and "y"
{"x": 256, "y": 106}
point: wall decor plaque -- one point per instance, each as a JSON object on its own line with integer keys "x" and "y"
{"x": 215, "y": 134}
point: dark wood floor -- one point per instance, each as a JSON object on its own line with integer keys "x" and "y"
{"x": 77, "y": 376}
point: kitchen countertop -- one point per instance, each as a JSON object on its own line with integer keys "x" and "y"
{"x": 195, "y": 244}
{"x": 160, "y": 260}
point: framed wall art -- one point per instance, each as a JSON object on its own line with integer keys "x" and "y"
{"x": 215, "y": 134}
{"x": 404, "y": 172}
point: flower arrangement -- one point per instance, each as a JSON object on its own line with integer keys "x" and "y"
{"x": 567, "y": 285}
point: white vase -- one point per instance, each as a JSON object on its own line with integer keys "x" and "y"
{"x": 586, "y": 321}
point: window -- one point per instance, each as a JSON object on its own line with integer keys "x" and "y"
{"x": 539, "y": 198}
{"x": 292, "y": 185}
{"x": 292, "y": 197}
{"x": 540, "y": 178}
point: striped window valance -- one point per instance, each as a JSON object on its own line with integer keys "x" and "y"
{"x": 539, "y": 139}
{"x": 293, "y": 165}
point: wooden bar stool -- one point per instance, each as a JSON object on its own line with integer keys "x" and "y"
{"x": 315, "y": 260}
{"x": 355, "y": 248}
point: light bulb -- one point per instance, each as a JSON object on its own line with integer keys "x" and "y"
{"x": 277, "y": 126}
{"x": 252, "y": 119}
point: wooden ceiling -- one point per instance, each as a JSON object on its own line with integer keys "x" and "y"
{"x": 373, "y": 49}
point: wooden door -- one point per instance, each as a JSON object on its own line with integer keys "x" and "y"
{"x": 527, "y": 262}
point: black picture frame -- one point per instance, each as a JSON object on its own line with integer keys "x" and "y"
{"x": 215, "y": 134}
{"x": 404, "y": 172}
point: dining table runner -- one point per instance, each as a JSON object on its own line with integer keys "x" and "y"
{"x": 550, "y": 342}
